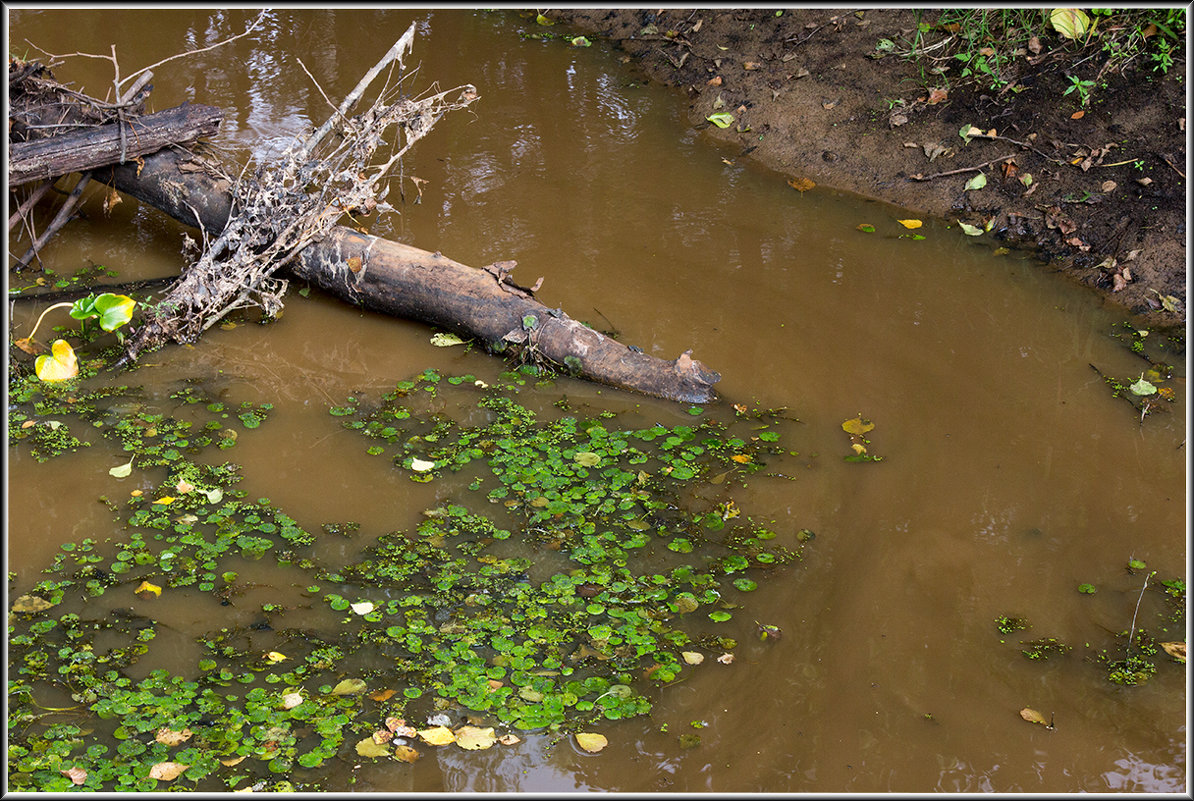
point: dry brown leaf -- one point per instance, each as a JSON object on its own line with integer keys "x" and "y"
{"x": 169, "y": 737}
{"x": 752, "y": 65}
{"x": 509, "y": 739}
{"x": 1077, "y": 115}
{"x": 726, "y": 659}
{"x": 382, "y": 736}
{"x": 167, "y": 771}
{"x": 30, "y": 603}
{"x": 828, "y": 104}
{"x": 714, "y": 81}
{"x": 937, "y": 96}
{"x": 1108, "y": 186}
{"x": 234, "y": 761}
{"x": 1034, "y": 45}
{"x": 111, "y": 201}
{"x": 897, "y": 118}
{"x": 76, "y": 774}
{"x": 29, "y": 346}
{"x": 1032, "y": 716}
{"x": 404, "y": 753}
{"x": 1175, "y": 649}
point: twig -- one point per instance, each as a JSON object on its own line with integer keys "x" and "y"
{"x": 1024, "y": 145}
{"x": 252, "y": 26}
{"x": 976, "y": 168}
{"x": 1175, "y": 169}
{"x": 29, "y": 203}
{"x": 1132, "y": 630}
{"x": 60, "y": 219}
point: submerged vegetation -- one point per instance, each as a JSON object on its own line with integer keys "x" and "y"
{"x": 573, "y": 570}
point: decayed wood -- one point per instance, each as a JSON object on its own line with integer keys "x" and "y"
{"x": 404, "y": 281}
{"x": 107, "y": 144}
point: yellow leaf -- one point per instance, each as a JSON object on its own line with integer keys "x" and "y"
{"x": 30, "y": 603}
{"x": 857, "y": 426}
{"x": 910, "y": 223}
{"x": 404, "y": 753}
{"x": 372, "y": 749}
{"x": 381, "y": 695}
{"x": 741, "y": 458}
{"x": 591, "y": 742}
{"x": 233, "y": 761}
{"x": 145, "y": 586}
{"x": 692, "y": 657}
{"x": 437, "y": 735}
{"x": 275, "y": 657}
{"x": 59, "y": 365}
{"x": 801, "y": 185}
{"x": 1032, "y": 716}
{"x": 1175, "y": 649}
{"x": 858, "y": 448}
{"x": 474, "y": 738}
{"x": 167, "y": 771}
{"x": 166, "y": 501}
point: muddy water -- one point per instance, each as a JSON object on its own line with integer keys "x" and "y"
{"x": 1010, "y": 474}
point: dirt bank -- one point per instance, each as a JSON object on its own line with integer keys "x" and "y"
{"x": 1105, "y": 204}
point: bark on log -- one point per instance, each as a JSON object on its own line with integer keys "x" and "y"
{"x": 404, "y": 281}
{"x": 105, "y": 144}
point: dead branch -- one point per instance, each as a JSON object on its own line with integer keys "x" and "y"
{"x": 292, "y": 202}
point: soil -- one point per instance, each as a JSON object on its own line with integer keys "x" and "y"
{"x": 1106, "y": 205}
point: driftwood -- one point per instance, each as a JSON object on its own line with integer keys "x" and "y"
{"x": 98, "y": 146}
{"x": 404, "y": 281}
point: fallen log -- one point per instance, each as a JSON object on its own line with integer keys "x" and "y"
{"x": 112, "y": 143}
{"x": 401, "y": 280}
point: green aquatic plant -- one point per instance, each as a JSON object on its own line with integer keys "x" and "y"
{"x": 573, "y": 568}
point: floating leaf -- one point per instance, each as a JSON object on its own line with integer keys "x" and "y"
{"x": 1032, "y": 716}
{"x": 587, "y": 459}
{"x": 420, "y": 466}
{"x": 741, "y": 458}
{"x": 1143, "y": 387}
{"x": 446, "y": 340}
{"x": 692, "y": 657}
{"x": 372, "y": 749}
{"x": 404, "y": 753}
{"x": 474, "y": 738}
{"x": 437, "y": 735}
{"x": 591, "y": 742}
{"x": 233, "y": 762}
{"x": 1072, "y": 23}
{"x": 167, "y": 771}
{"x": 910, "y": 223}
{"x": 509, "y": 739}
{"x": 542, "y": 20}
{"x": 291, "y": 700}
{"x": 866, "y": 228}
{"x": 169, "y": 737}
{"x": 580, "y": 41}
{"x": 58, "y": 365}
{"x": 30, "y": 603}
{"x": 383, "y": 695}
{"x": 723, "y": 119}
{"x": 970, "y": 230}
{"x": 1175, "y": 649}
{"x": 362, "y": 607}
{"x": 274, "y": 657}
{"x": 76, "y": 775}
{"x": 726, "y": 659}
{"x": 349, "y": 687}
{"x": 145, "y": 586}
{"x": 977, "y": 182}
{"x": 857, "y": 426}
{"x": 801, "y": 185}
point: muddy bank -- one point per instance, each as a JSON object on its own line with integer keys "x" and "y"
{"x": 1106, "y": 201}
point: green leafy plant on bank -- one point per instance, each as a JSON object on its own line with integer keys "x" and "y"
{"x": 989, "y": 46}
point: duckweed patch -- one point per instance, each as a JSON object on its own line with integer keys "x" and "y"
{"x": 570, "y": 565}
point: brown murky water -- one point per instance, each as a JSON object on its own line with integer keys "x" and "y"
{"x": 1011, "y": 474}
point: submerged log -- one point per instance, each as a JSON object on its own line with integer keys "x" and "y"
{"x": 101, "y": 145}
{"x": 401, "y": 280}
